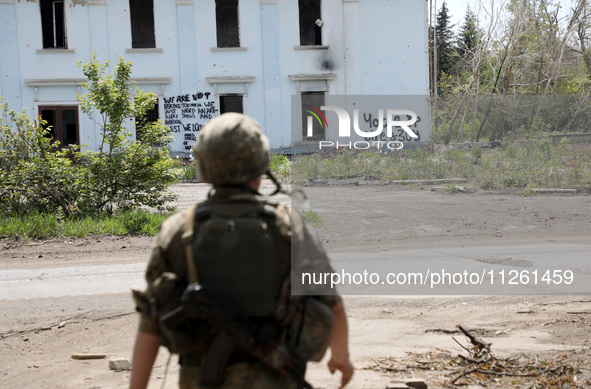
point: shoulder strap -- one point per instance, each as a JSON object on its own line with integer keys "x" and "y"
{"x": 269, "y": 210}
{"x": 196, "y": 212}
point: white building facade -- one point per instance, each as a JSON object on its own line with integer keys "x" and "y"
{"x": 205, "y": 57}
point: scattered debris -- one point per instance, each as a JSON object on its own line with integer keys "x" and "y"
{"x": 556, "y": 303}
{"x": 60, "y": 324}
{"x": 442, "y": 331}
{"x": 481, "y": 349}
{"x": 416, "y": 383}
{"x": 5, "y": 335}
{"x": 115, "y": 316}
{"x": 120, "y": 364}
{"x": 88, "y": 356}
{"x": 503, "y": 332}
{"x": 480, "y": 368}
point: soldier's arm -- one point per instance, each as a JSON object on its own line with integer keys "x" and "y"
{"x": 144, "y": 355}
{"x": 339, "y": 344}
{"x": 148, "y": 336}
{"x": 147, "y": 341}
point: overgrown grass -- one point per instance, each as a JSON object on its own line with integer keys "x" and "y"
{"x": 539, "y": 164}
{"x": 43, "y": 226}
{"x": 313, "y": 218}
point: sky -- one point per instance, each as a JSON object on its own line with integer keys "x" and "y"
{"x": 457, "y": 9}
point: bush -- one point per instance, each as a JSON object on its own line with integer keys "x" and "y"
{"x": 280, "y": 166}
{"x": 188, "y": 172}
{"x": 35, "y": 176}
{"x": 38, "y": 176}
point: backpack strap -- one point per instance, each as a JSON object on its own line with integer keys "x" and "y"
{"x": 269, "y": 211}
{"x": 286, "y": 303}
{"x": 197, "y": 212}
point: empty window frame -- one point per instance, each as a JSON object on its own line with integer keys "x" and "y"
{"x": 310, "y": 30}
{"x": 231, "y": 103}
{"x": 312, "y": 101}
{"x": 152, "y": 115}
{"x": 141, "y": 13}
{"x": 63, "y": 123}
{"x": 53, "y": 24}
{"x": 227, "y": 26}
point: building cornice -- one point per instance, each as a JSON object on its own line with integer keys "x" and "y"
{"x": 313, "y": 77}
{"x": 230, "y": 79}
{"x": 56, "y": 82}
{"x": 150, "y": 81}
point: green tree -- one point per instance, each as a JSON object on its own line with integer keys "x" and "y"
{"x": 468, "y": 37}
{"x": 124, "y": 173}
{"x": 446, "y": 55}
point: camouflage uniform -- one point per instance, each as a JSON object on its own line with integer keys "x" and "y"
{"x": 168, "y": 255}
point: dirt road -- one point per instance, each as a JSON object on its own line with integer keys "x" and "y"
{"x": 361, "y": 219}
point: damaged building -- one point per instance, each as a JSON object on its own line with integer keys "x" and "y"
{"x": 206, "y": 57}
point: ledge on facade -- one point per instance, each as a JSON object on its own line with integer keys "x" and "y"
{"x": 311, "y": 47}
{"x": 56, "y": 82}
{"x": 55, "y": 51}
{"x": 313, "y": 77}
{"x": 307, "y": 143}
{"x": 146, "y": 50}
{"x": 230, "y": 79}
{"x": 150, "y": 80}
{"x": 218, "y": 49}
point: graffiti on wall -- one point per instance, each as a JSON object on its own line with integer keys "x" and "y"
{"x": 186, "y": 114}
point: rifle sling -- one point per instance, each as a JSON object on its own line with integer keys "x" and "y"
{"x": 212, "y": 370}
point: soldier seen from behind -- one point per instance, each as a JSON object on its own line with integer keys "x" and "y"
{"x": 219, "y": 279}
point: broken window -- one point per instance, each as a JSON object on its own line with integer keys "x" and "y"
{"x": 141, "y": 13}
{"x": 53, "y": 24}
{"x": 63, "y": 123}
{"x": 313, "y": 124}
{"x": 226, "y": 16}
{"x": 152, "y": 115}
{"x": 310, "y": 23}
{"x": 231, "y": 103}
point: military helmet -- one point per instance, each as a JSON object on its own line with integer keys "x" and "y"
{"x": 231, "y": 150}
